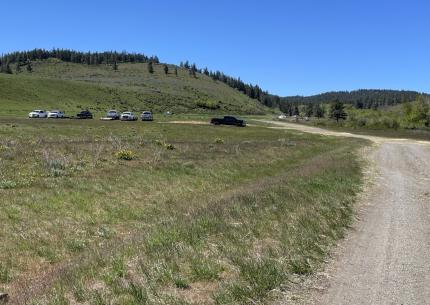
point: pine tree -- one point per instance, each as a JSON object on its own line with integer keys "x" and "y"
{"x": 29, "y": 67}
{"x": 192, "y": 73}
{"x": 296, "y": 110}
{"x": 166, "y": 69}
{"x": 319, "y": 111}
{"x": 8, "y": 69}
{"x": 176, "y": 71}
{"x": 115, "y": 66}
{"x": 150, "y": 67}
{"x": 337, "y": 111}
{"x": 18, "y": 68}
{"x": 309, "y": 110}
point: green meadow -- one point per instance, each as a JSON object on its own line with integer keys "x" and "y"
{"x": 97, "y": 212}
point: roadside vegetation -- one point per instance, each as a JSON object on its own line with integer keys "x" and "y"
{"x": 128, "y": 213}
{"x": 410, "y": 119}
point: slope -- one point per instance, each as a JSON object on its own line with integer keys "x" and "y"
{"x": 69, "y": 86}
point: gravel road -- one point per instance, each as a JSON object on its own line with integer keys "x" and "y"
{"x": 385, "y": 259}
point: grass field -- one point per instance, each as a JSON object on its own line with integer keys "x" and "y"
{"x": 198, "y": 215}
{"x": 73, "y": 87}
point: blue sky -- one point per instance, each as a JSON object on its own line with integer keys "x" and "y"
{"x": 287, "y": 47}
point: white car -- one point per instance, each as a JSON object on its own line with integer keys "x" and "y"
{"x": 38, "y": 114}
{"x": 147, "y": 116}
{"x": 128, "y": 116}
{"x": 113, "y": 115}
{"x": 282, "y": 117}
{"x": 56, "y": 114}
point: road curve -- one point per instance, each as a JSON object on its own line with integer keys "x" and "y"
{"x": 385, "y": 259}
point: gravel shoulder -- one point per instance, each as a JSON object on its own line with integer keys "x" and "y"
{"x": 385, "y": 258}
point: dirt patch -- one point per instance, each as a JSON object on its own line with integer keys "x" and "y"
{"x": 198, "y": 293}
{"x": 186, "y": 122}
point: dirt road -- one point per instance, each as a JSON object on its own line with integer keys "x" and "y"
{"x": 385, "y": 259}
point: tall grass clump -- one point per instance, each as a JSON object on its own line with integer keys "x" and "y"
{"x": 55, "y": 164}
{"x": 124, "y": 154}
{"x": 5, "y": 273}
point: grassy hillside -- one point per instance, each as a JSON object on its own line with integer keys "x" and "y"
{"x": 69, "y": 86}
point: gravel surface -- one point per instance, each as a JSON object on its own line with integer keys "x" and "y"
{"x": 385, "y": 259}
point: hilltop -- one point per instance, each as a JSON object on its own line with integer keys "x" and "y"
{"x": 54, "y": 83}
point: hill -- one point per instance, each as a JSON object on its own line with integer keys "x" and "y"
{"x": 54, "y": 83}
{"x": 361, "y": 99}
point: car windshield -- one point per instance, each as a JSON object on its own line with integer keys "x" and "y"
{"x": 147, "y": 112}
{"x": 113, "y": 111}
{"x": 127, "y": 113}
{"x": 37, "y": 111}
{"x": 54, "y": 111}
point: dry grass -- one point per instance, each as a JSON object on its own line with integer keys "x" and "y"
{"x": 204, "y": 223}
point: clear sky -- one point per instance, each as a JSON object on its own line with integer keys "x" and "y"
{"x": 287, "y": 47}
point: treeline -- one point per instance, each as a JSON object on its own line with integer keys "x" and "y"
{"x": 411, "y": 115}
{"x": 360, "y": 99}
{"x": 89, "y": 58}
{"x": 252, "y": 91}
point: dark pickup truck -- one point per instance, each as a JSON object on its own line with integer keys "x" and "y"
{"x": 85, "y": 114}
{"x": 228, "y": 120}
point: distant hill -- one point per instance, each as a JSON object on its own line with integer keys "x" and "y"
{"x": 124, "y": 84}
{"x": 361, "y": 99}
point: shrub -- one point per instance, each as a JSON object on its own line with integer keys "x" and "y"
{"x": 390, "y": 123}
{"x": 219, "y": 141}
{"x": 208, "y": 105}
{"x": 159, "y": 142}
{"x": 125, "y": 155}
{"x": 181, "y": 283}
{"x": 140, "y": 295}
{"x": 361, "y": 122}
{"x": 7, "y": 184}
{"x": 56, "y": 164}
{"x": 170, "y": 146}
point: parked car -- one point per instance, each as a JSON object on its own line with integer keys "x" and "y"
{"x": 147, "y": 116}
{"x": 85, "y": 114}
{"x": 282, "y": 117}
{"x": 128, "y": 116}
{"x": 228, "y": 120}
{"x": 39, "y": 114}
{"x": 56, "y": 114}
{"x": 113, "y": 115}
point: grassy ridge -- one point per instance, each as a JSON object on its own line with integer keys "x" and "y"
{"x": 68, "y": 86}
{"x": 201, "y": 215}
